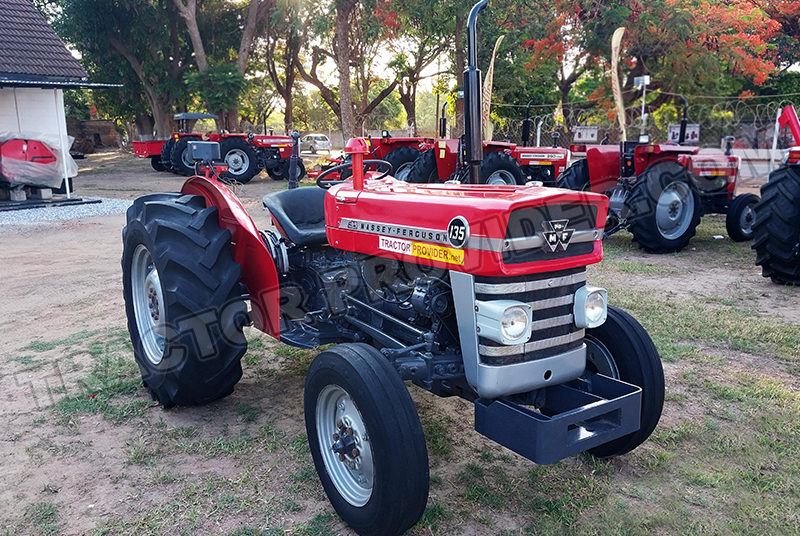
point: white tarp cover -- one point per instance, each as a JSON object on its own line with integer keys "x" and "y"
{"x": 19, "y": 172}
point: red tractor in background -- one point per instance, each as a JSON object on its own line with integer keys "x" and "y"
{"x": 471, "y": 290}
{"x": 660, "y": 191}
{"x": 539, "y": 163}
{"x": 245, "y": 154}
{"x": 776, "y": 231}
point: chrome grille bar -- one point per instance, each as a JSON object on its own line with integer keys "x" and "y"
{"x": 529, "y": 286}
{"x": 532, "y": 346}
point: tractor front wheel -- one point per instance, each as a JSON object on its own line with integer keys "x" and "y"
{"x": 664, "y": 208}
{"x": 240, "y": 158}
{"x": 423, "y": 169}
{"x": 155, "y": 162}
{"x": 279, "y": 172}
{"x": 182, "y": 299}
{"x": 575, "y": 177}
{"x": 366, "y": 440}
{"x": 622, "y": 349}
{"x": 740, "y": 217}
{"x": 776, "y": 230}
{"x": 499, "y": 168}
{"x": 401, "y": 160}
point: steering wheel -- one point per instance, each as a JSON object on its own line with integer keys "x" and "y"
{"x": 341, "y": 167}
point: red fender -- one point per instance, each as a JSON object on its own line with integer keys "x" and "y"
{"x": 258, "y": 269}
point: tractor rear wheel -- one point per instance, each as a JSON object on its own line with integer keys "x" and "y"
{"x": 664, "y": 208}
{"x": 166, "y": 154}
{"x": 366, "y": 440}
{"x": 401, "y": 160}
{"x": 776, "y": 230}
{"x": 181, "y": 163}
{"x": 740, "y": 217}
{"x": 499, "y": 168}
{"x": 183, "y": 300}
{"x": 622, "y": 349}
{"x": 575, "y": 177}
{"x": 240, "y": 158}
{"x": 424, "y": 170}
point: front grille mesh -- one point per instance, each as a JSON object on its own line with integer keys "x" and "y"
{"x": 551, "y": 297}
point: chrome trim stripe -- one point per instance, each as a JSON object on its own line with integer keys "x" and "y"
{"x": 501, "y": 351}
{"x": 398, "y": 231}
{"x": 529, "y": 286}
{"x": 536, "y": 241}
{"x": 549, "y": 323}
{"x": 552, "y": 302}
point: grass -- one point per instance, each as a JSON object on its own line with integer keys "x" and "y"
{"x": 43, "y": 516}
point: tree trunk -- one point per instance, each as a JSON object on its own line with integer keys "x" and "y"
{"x": 189, "y": 13}
{"x": 343, "y": 10}
{"x": 144, "y": 125}
{"x": 288, "y": 119}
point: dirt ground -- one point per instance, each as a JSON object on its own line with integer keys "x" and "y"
{"x": 241, "y": 463}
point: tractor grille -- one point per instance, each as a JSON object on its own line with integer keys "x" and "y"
{"x": 551, "y": 297}
{"x": 530, "y": 222}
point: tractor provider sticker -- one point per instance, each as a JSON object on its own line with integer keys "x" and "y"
{"x": 399, "y": 231}
{"x": 421, "y": 250}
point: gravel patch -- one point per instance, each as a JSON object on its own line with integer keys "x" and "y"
{"x": 61, "y": 213}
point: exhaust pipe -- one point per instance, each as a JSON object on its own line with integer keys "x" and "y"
{"x": 526, "y": 124}
{"x": 684, "y": 121}
{"x": 472, "y": 98}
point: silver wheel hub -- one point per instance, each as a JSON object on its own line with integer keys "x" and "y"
{"x": 148, "y": 304}
{"x": 237, "y": 161}
{"x": 746, "y": 220}
{"x": 501, "y": 177}
{"x": 675, "y": 210}
{"x": 402, "y": 172}
{"x": 344, "y": 445}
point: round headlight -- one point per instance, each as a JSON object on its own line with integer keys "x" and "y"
{"x": 595, "y": 308}
{"x": 514, "y": 322}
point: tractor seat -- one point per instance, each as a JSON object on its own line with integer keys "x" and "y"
{"x": 300, "y": 213}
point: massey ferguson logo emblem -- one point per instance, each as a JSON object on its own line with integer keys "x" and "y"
{"x": 556, "y": 234}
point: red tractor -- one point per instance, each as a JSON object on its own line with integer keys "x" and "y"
{"x": 446, "y": 160}
{"x": 469, "y": 290}
{"x": 245, "y": 154}
{"x": 541, "y": 164}
{"x": 776, "y": 231}
{"x": 660, "y": 191}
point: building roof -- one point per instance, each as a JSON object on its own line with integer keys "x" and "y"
{"x": 30, "y": 49}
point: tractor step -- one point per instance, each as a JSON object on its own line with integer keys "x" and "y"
{"x": 581, "y": 415}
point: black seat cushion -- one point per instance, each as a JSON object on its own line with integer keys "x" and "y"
{"x": 300, "y": 213}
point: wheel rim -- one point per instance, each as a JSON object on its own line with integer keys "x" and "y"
{"x": 675, "y": 210}
{"x": 501, "y": 176}
{"x": 353, "y": 477}
{"x": 599, "y": 359}
{"x": 148, "y": 304}
{"x": 403, "y": 171}
{"x": 238, "y": 162}
{"x": 746, "y": 220}
{"x": 185, "y": 158}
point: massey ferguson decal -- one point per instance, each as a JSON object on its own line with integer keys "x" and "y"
{"x": 556, "y": 234}
{"x": 399, "y": 231}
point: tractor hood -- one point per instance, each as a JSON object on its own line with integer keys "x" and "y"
{"x": 479, "y": 229}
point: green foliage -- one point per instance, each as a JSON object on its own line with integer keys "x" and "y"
{"x": 220, "y": 86}
{"x": 76, "y": 104}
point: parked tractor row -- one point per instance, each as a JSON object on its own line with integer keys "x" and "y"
{"x": 246, "y": 155}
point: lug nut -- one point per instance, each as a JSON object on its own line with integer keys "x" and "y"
{"x": 336, "y": 437}
{"x": 341, "y": 457}
{"x": 339, "y": 424}
{"x": 355, "y": 453}
{"x": 349, "y": 431}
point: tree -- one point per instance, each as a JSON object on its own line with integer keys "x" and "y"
{"x": 222, "y": 81}
{"x": 351, "y": 33}
{"x": 280, "y": 51}
{"x": 139, "y": 43}
{"x": 426, "y": 31}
